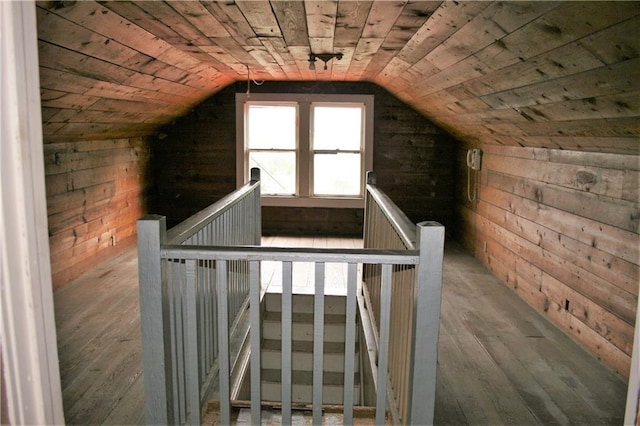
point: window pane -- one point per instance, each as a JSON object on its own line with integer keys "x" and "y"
{"x": 277, "y": 171}
{"x": 337, "y": 127}
{"x": 336, "y": 174}
{"x": 271, "y": 127}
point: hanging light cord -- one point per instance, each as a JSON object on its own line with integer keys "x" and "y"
{"x": 249, "y": 80}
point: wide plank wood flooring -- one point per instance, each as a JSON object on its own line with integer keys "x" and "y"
{"x": 500, "y": 362}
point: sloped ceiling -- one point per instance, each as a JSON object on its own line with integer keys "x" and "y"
{"x": 538, "y": 74}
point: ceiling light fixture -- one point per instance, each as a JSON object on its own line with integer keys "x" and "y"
{"x": 324, "y": 57}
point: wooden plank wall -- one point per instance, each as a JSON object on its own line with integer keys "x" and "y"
{"x": 95, "y": 194}
{"x": 194, "y": 163}
{"x": 312, "y": 221}
{"x": 194, "y": 159}
{"x": 561, "y": 229}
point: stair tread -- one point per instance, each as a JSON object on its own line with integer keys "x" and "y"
{"x": 305, "y": 378}
{"x": 304, "y": 303}
{"x": 301, "y": 414}
{"x": 306, "y": 318}
{"x": 305, "y": 346}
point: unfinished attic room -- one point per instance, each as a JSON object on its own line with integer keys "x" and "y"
{"x": 320, "y": 212}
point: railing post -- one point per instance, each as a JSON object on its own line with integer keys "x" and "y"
{"x": 371, "y": 178}
{"x": 426, "y": 323}
{"x": 366, "y": 227}
{"x": 255, "y": 177}
{"x": 157, "y": 380}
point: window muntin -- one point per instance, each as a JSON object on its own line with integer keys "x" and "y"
{"x": 337, "y": 148}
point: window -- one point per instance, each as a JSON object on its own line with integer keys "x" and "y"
{"x": 312, "y": 150}
{"x": 271, "y": 143}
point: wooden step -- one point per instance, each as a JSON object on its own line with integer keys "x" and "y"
{"x": 302, "y": 349}
{"x": 271, "y": 391}
{"x": 302, "y": 328}
{"x": 302, "y": 387}
{"x": 331, "y": 415}
{"x": 303, "y": 303}
{"x": 301, "y": 414}
{"x": 299, "y": 377}
{"x": 302, "y": 355}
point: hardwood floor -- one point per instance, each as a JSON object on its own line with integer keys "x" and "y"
{"x": 499, "y": 361}
{"x": 98, "y": 329}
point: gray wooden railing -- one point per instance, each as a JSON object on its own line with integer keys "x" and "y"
{"x": 174, "y": 385}
{"x": 415, "y": 308}
{"x": 179, "y": 307}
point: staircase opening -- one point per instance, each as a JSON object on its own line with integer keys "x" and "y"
{"x": 302, "y": 352}
{"x": 211, "y": 324}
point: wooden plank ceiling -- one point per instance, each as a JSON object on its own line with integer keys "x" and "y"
{"x": 539, "y": 74}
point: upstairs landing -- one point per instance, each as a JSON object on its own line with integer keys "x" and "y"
{"x": 500, "y": 362}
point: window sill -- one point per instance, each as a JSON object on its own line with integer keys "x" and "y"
{"x": 337, "y": 203}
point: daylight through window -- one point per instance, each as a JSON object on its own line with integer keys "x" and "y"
{"x": 312, "y": 150}
{"x": 271, "y": 145}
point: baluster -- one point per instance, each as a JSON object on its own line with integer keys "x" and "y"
{"x": 287, "y": 318}
{"x": 318, "y": 343}
{"x": 177, "y": 332}
{"x": 192, "y": 382}
{"x": 383, "y": 351}
{"x": 350, "y": 343}
{"x": 254, "y": 290}
{"x": 223, "y": 337}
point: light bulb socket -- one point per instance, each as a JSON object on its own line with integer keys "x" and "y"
{"x": 324, "y": 57}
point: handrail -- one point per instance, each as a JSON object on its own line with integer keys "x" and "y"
{"x": 387, "y": 227}
{"x": 190, "y": 226}
{"x": 185, "y": 229}
{"x": 400, "y": 222}
{"x": 179, "y": 312}
{"x": 286, "y": 254}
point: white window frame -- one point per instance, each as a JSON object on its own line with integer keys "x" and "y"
{"x": 304, "y": 176}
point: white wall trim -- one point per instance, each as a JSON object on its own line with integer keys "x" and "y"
{"x": 27, "y": 322}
